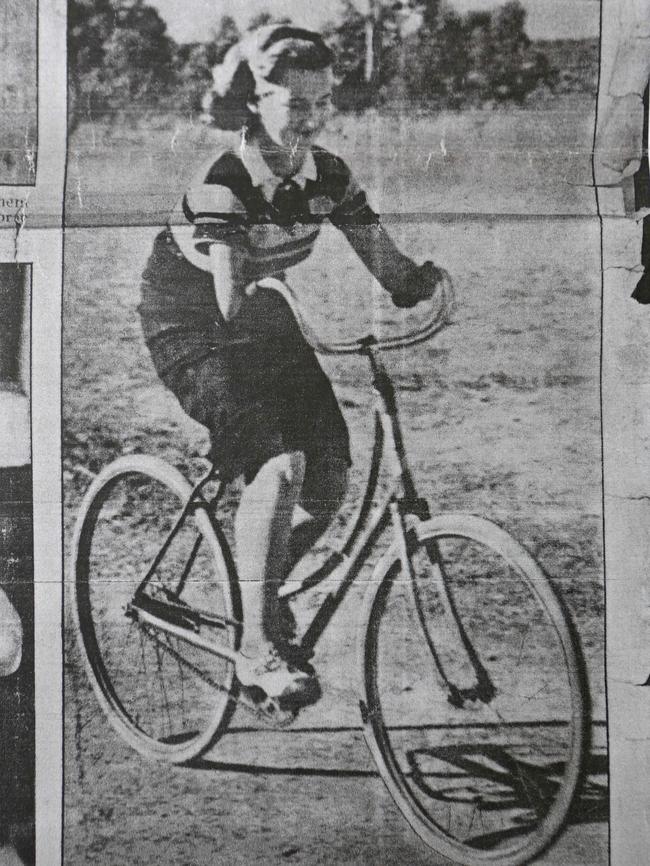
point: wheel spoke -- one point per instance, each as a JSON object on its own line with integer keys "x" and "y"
{"x": 167, "y": 697}
{"x": 476, "y": 781}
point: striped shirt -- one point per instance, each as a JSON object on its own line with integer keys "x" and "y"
{"x": 269, "y": 225}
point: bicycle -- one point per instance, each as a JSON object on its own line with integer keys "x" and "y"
{"x": 483, "y": 750}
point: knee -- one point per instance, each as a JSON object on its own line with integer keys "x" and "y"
{"x": 284, "y": 469}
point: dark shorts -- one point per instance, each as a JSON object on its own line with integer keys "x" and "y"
{"x": 261, "y": 400}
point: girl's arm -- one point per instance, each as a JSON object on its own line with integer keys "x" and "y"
{"x": 379, "y": 253}
{"x": 406, "y": 282}
{"x": 208, "y": 229}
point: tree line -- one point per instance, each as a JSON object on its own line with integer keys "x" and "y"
{"x": 420, "y": 52}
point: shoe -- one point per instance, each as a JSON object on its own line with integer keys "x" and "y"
{"x": 269, "y": 676}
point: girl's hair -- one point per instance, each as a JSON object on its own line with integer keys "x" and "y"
{"x": 261, "y": 56}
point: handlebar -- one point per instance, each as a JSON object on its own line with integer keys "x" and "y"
{"x": 443, "y": 301}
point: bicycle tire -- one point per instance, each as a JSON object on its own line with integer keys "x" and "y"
{"x": 475, "y": 787}
{"x": 177, "y": 709}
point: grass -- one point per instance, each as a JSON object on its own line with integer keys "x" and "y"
{"x": 527, "y": 161}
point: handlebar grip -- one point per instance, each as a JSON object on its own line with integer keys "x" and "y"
{"x": 444, "y": 296}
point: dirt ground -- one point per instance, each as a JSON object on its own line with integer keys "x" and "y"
{"x": 501, "y": 416}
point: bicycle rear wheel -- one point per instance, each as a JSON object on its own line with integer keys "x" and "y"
{"x": 167, "y": 698}
{"x": 486, "y": 782}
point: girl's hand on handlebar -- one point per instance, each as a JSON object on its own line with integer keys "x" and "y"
{"x": 420, "y": 285}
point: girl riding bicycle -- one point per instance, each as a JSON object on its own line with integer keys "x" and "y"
{"x": 235, "y": 357}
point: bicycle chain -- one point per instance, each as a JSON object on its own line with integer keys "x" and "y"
{"x": 246, "y": 705}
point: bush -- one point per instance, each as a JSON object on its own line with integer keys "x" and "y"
{"x": 118, "y": 54}
{"x": 478, "y": 57}
{"x": 121, "y": 58}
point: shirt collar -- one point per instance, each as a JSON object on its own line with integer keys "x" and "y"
{"x": 261, "y": 174}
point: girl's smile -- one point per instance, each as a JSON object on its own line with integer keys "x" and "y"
{"x": 292, "y": 114}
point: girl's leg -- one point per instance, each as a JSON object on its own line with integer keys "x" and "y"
{"x": 323, "y": 492}
{"x": 262, "y": 531}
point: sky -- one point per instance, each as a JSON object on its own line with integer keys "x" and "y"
{"x": 547, "y": 19}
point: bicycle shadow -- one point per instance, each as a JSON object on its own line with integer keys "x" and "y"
{"x": 465, "y": 774}
{"x": 460, "y": 773}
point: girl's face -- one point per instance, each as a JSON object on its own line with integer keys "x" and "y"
{"x": 294, "y": 111}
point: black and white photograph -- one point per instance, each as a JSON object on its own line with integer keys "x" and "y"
{"x": 324, "y": 432}
{"x": 18, "y": 92}
{"x": 332, "y": 433}
{"x": 17, "y": 745}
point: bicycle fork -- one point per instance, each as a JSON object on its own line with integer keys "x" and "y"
{"x": 483, "y": 689}
{"x": 412, "y": 504}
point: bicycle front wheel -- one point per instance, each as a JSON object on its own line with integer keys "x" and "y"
{"x": 493, "y": 780}
{"x": 168, "y": 698}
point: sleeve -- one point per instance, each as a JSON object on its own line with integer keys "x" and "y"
{"x": 631, "y": 68}
{"x": 368, "y": 238}
{"x": 619, "y": 141}
{"x": 207, "y": 214}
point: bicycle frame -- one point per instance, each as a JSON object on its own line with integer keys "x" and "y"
{"x": 396, "y": 504}
{"x": 497, "y": 765}
{"x": 399, "y": 503}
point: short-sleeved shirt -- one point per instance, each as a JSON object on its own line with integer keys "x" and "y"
{"x": 269, "y": 225}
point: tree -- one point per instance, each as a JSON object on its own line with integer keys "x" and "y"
{"x": 511, "y": 44}
{"x": 479, "y": 56}
{"x": 223, "y": 38}
{"x": 442, "y": 53}
{"x": 193, "y": 73}
{"x": 89, "y": 25}
{"x": 120, "y": 56}
{"x": 138, "y": 54}
{"x": 454, "y": 59}
{"x": 195, "y": 62}
{"x": 363, "y": 69}
{"x": 510, "y": 66}
{"x": 479, "y": 37}
{"x": 429, "y": 11}
{"x": 119, "y": 53}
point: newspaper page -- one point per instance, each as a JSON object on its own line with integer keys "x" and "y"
{"x": 621, "y": 141}
{"x": 32, "y": 109}
{"x": 323, "y": 428}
